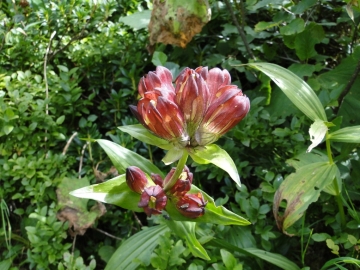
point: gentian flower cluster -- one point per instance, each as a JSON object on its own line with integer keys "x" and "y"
{"x": 201, "y": 107}
{"x": 153, "y": 198}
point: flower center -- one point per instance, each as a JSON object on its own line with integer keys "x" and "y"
{"x": 152, "y": 202}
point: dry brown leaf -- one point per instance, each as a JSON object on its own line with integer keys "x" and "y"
{"x": 177, "y": 22}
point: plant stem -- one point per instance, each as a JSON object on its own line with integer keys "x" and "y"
{"x": 302, "y": 240}
{"x": 179, "y": 168}
{"x": 338, "y": 196}
{"x": 328, "y": 149}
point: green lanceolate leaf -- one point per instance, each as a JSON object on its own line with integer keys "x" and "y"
{"x": 123, "y": 158}
{"x": 114, "y": 191}
{"x": 214, "y": 154}
{"x": 272, "y": 258}
{"x": 347, "y": 135}
{"x": 337, "y": 261}
{"x": 297, "y": 90}
{"x": 299, "y": 190}
{"x": 142, "y": 134}
{"x": 136, "y": 249}
{"x": 213, "y": 214}
{"x": 186, "y": 230}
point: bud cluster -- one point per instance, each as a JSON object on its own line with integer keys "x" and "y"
{"x": 153, "y": 197}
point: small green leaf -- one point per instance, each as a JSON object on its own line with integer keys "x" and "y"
{"x": 214, "y": 154}
{"x": 317, "y": 133}
{"x": 123, "y": 158}
{"x": 297, "y": 90}
{"x": 92, "y": 117}
{"x": 347, "y": 135}
{"x": 135, "y": 249}
{"x": 7, "y": 129}
{"x": 63, "y": 68}
{"x": 294, "y": 27}
{"x": 228, "y": 259}
{"x": 9, "y": 115}
{"x": 142, "y": 134}
{"x": 320, "y": 237}
{"x": 186, "y": 230}
{"x": 159, "y": 58}
{"x": 60, "y": 120}
{"x": 261, "y": 26}
{"x": 300, "y": 189}
{"x": 38, "y": 78}
{"x": 33, "y": 125}
{"x": 213, "y": 214}
{"x": 82, "y": 122}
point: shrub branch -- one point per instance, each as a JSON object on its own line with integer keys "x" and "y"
{"x": 240, "y": 29}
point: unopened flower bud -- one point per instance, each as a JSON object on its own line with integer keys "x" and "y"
{"x": 157, "y": 179}
{"x": 136, "y": 179}
{"x": 191, "y": 205}
{"x": 183, "y": 184}
{"x": 153, "y": 200}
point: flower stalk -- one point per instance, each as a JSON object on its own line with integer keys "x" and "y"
{"x": 179, "y": 168}
{"x": 338, "y": 196}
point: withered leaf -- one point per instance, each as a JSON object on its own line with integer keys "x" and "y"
{"x": 177, "y": 22}
{"x": 74, "y": 210}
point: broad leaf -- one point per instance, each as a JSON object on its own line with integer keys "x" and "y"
{"x": 273, "y": 258}
{"x": 297, "y": 90}
{"x": 114, "y": 191}
{"x": 347, "y": 135}
{"x": 214, "y": 154}
{"x": 299, "y": 190}
{"x": 186, "y": 230}
{"x": 294, "y": 27}
{"x": 305, "y": 41}
{"x": 138, "y": 248}
{"x": 303, "y": 159}
{"x": 142, "y": 134}
{"x": 123, "y": 158}
{"x": 314, "y": 156}
{"x": 213, "y": 214}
